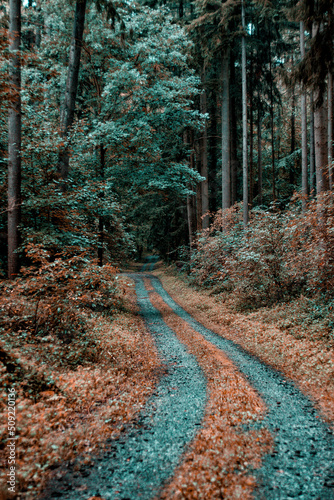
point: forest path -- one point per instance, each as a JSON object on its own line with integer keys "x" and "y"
{"x": 144, "y": 458}
{"x": 302, "y": 462}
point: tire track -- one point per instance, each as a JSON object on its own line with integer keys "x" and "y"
{"x": 302, "y": 464}
{"x": 138, "y": 464}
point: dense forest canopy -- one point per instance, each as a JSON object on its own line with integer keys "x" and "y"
{"x": 129, "y": 123}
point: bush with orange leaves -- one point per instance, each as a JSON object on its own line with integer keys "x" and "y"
{"x": 55, "y": 298}
{"x": 279, "y": 256}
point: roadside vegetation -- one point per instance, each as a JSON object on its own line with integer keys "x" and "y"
{"x": 77, "y": 354}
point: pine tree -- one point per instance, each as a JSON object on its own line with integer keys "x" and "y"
{"x": 14, "y": 138}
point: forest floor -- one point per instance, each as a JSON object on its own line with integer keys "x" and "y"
{"x": 196, "y": 401}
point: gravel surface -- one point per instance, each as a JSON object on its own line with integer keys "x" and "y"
{"x": 302, "y": 464}
{"x": 137, "y": 465}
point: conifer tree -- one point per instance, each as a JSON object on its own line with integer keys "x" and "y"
{"x": 14, "y": 137}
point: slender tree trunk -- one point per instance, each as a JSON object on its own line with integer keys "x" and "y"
{"x": 320, "y": 135}
{"x": 251, "y": 156}
{"x": 213, "y": 156}
{"x": 303, "y": 113}
{"x": 14, "y": 138}
{"x": 233, "y": 140}
{"x": 181, "y": 9}
{"x": 330, "y": 128}
{"x": 198, "y": 187}
{"x": 272, "y": 129}
{"x": 101, "y": 222}
{"x": 226, "y": 169}
{"x": 204, "y": 162}
{"x": 312, "y": 148}
{"x": 191, "y": 209}
{"x": 244, "y": 120}
{"x": 190, "y": 217}
{"x": 39, "y": 25}
{"x": 67, "y": 111}
{"x": 259, "y": 151}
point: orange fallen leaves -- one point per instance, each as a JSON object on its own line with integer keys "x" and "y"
{"x": 309, "y": 363}
{"x": 92, "y": 404}
{"x": 222, "y": 455}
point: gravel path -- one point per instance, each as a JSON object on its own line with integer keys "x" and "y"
{"x": 302, "y": 464}
{"x": 138, "y": 464}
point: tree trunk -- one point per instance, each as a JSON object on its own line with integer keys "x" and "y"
{"x": 198, "y": 187}
{"x": 213, "y": 156}
{"x": 14, "y": 138}
{"x": 312, "y": 148}
{"x": 233, "y": 140}
{"x": 251, "y": 155}
{"x": 101, "y": 224}
{"x": 272, "y": 129}
{"x": 303, "y": 123}
{"x": 320, "y": 135}
{"x": 226, "y": 170}
{"x": 330, "y": 128}
{"x": 204, "y": 162}
{"x": 67, "y": 111}
{"x": 244, "y": 120}
{"x": 259, "y": 152}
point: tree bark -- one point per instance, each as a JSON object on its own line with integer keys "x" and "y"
{"x": 259, "y": 151}
{"x": 204, "y": 162}
{"x": 244, "y": 120}
{"x": 330, "y": 128}
{"x": 233, "y": 139}
{"x": 303, "y": 123}
{"x": 101, "y": 222}
{"x": 68, "y": 107}
{"x": 226, "y": 169}
{"x": 273, "y": 177}
{"x": 14, "y": 138}
{"x": 312, "y": 148}
{"x": 213, "y": 155}
{"x": 320, "y": 136}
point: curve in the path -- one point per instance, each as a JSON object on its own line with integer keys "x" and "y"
{"x": 137, "y": 465}
{"x": 302, "y": 464}
{"x": 150, "y": 262}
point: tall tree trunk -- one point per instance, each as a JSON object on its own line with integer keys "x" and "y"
{"x": 67, "y": 111}
{"x": 14, "y": 138}
{"x": 101, "y": 223}
{"x": 273, "y": 177}
{"x": 198, "y": 187}
{"x": 303, "y": 123}
{"x": 251, "y": 155}
{"x": 191, "y": 207}
{"x": 312, "y": 148}
{"x": 330, "y": 128}
{"x": 226, "y": 169}
{"x": 259, "y": 150}
{"x": 39, "y": 24}
{"x": 320, "y": 135}
{"x": 233, "y": 139}
{"x": 204, "y": 162}
{"x": 244, "y": 120}
{"x": 181, "y": 9}
{"x": 213, "y": 155}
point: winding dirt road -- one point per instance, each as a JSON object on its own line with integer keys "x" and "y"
{"x": 138, "y": 466}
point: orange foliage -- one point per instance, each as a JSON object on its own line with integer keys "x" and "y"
{"x": 222, "y": 455}
{"x": 308, "y": 362}
{"x": 86, "y": 403}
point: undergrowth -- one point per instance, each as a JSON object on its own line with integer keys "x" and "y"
{"x": 281, "y": 258}
{"x": 72, "y": 347}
